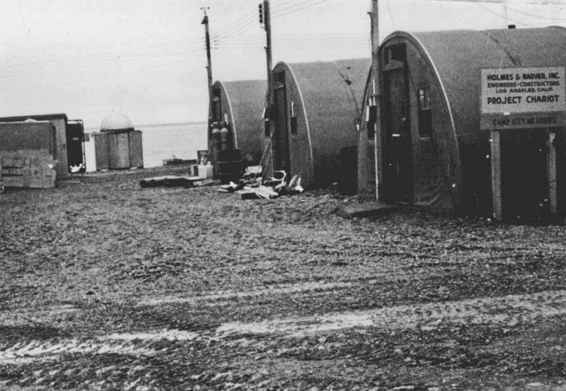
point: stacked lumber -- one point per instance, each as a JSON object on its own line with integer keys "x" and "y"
{"x": 27, "y": 168}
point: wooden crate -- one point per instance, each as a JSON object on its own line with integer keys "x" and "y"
{"x": 27, "y": 169}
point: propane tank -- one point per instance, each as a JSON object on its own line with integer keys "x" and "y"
{"x": 225, "y": 144}
{"x": 215, "y": 135}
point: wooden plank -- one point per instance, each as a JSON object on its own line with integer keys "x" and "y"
{"x": 136, "y": 149}
{"x": 552, "y": 174}
{"x": 101, "y": 151}
{"x": 496, "y": 175}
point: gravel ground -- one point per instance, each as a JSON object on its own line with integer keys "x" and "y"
{"x": 108, "y": 286}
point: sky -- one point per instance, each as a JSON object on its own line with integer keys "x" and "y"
{"x": 146, "y": 58}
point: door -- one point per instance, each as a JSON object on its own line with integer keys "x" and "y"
{"x": 524, "y": 175}
{"x": 75, "y": 139}
{"x": 280, "y": 139}
{"x": 397, "y": 151}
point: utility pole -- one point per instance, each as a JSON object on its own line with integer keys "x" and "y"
{"x": 208, "y": 71}
{"x": 269, "y": 61}
{"x": 208, "y": 57}
{"x": 267, "y": 156}
{"x": 376, "y": 94}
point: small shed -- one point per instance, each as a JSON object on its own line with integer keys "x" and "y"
{"x": 118, "y": 145}
{"x": 473, "y": 122}
{"x": 314, "y": 118}
{"x": 237, "y": 106}
{"x": 59, "y": 121}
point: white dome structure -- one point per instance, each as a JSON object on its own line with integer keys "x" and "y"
{"x": 116, "y": 121}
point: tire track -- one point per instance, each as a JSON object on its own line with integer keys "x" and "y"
{"x": 510, "y": 310}
{"x": 135, "y": 344}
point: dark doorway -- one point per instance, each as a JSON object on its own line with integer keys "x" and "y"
{"x": 75, "y": 139}
{"x": 280, "y": 139}
{"x": 524, "y": 175}
{"x": 397, "y": 151}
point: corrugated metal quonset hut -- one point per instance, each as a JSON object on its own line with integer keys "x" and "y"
{"x": 316, "y": 109}
{"x": 237, "y": 107}
{"x": 473, "y": 122}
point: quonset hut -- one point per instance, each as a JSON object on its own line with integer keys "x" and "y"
{"x": 316, "y": 109}
{"x": 237, "y": 118}
{"x": 473, "y": 122}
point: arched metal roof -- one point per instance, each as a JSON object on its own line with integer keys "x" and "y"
{"x": 246, "y": 101}
{"x": 457, "y": 58}
{"x": 331, "y": 95}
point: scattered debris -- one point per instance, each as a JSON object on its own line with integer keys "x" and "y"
{"x": 175, "y": 161}
{"x": 252, "y": 186}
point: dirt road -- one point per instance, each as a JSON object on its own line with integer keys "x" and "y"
{"x": 106, "y": 286}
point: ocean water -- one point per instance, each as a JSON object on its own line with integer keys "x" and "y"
{"x": 166, "y": 141}
{"x": 160, "y": 142}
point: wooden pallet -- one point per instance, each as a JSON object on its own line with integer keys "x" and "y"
{"x": 27, "y": 169}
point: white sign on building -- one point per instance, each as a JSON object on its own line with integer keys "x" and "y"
{"x": 523, "y": 90}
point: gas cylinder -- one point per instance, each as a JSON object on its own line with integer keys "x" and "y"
{"x": 225, "y": 139}
{"x": 215, "y": 135}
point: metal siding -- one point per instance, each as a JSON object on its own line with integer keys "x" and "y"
{"x": 244, "y": 102}
{"x": 331, "y": 108}
{"x": 455, "y": 60}
{"x": 119, "y": 150}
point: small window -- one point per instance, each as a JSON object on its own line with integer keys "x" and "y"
{"x": 293, "y": 119}
{"x": 216, "y": 104}
{"x": 216, "y": 109}
{"x": 396, "y": 53}
{"x": 294, "y": 125}
{"x": 425, "y": 112}
{"x": 372, "y": 117}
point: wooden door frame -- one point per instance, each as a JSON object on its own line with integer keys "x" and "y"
{"x": 394, "y": 66}
{"x": 282, "y": 85}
